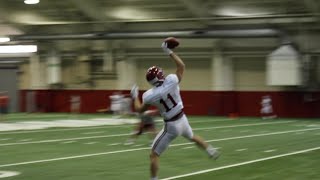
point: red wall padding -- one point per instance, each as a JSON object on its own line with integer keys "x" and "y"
{"x": 221, "y": 103}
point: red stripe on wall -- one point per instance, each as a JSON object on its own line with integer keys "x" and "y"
{"x": 220, "y": 103}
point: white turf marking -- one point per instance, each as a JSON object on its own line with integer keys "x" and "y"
{"x": 188, "y": 147}
{"x": 68, "y": 139}
{"x": 128, "y": 134}
{"x": 24, "y": 140}
{"x": 82, "y": 128}
{"x": 264, "y": 131}
{"x": 118, "y": 135}
{"x": 271, "y": 150}
{"x": 137, "y": 149}
{"x": 63, "y": 129}
{"x": 137, "y": 145}
{"x": 73, "y": 157}
{"x": 227, "y": 130}
{"x": 26, "y": 116}
{"x": 89, "y": 143}
{"x": 243, "y": 125}
{"x": 313, "y": 125}
{"x": 5, "y": 139}
{"x": 114, "y": 144}
{"x": 241, "y": 164}
{"x": 4, "y": 174}
{"x": 68, "y": 142}
{"x": 265, "y": 134}
{"x": 71, "y": 123}
{"x": 203, "y": 121}
{"x": 30, "y": 126}
{"x": 96, "y": 132}
{"x": 95, "y": 127}
{"x": 239, "y": 150}
{"x": 244, "y": 131}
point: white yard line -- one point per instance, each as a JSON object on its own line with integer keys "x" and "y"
{"x": 253, "y": 135}
{"x": 79, "y": 128}
{"x": 244, "y": 131}
{"x": 244, "y": 125}
{"x": 244, "y": 149}
{"x": 114, "y": 144}
{"x": 188, "y": 147}
{"x": 270, "y": 150}
{"x": 242, "y": 163}
{"x": 265, "y": 134}
{"x": 137, "y": 145}
{"x": 73, "y": 157}
{"x": 24, "y": 116}
{"x": 203, "y": 121}
{"x": 136, "y": 149}
{"x": 95, "y": 132}
{"x": 125, "y": 126}
{"x": 24, "y": 140}
{"x": 128, "y": 134}
{"x": 89, "y": 143}
{"x": 67, "y": 139}
{"x": 64, "y": 129}
{"x": 68, "y": 142}
{"x": 5, "y": 174}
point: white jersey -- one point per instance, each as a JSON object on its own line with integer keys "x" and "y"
{"x": 165, "y": 97}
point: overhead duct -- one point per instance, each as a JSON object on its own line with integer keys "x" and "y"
{"x": 244, "y": 33}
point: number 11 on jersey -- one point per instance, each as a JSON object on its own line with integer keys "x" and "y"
{"x": 165, "y": 104}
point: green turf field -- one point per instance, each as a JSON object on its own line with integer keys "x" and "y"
{"x": 284, "y": 149}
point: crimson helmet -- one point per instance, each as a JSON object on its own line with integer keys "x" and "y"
{"x": 155, "y": 75}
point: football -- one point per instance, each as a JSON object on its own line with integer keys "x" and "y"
{"x": 172, "y": 42}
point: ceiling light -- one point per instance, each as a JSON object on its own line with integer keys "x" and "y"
{"x": 130, "y": 13}
{"x": 31, "y": 1}
{"x": 4, "y": 39}
{"x": 241, "y": 11}
{"x": 18, "y": 49}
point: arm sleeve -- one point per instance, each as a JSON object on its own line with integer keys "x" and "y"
{"x": 173, "y": 78}
{"x": 145, "y": 98}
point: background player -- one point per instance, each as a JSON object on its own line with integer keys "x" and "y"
{"x": 146, "y": 124}
{"x": 4, "y": 104}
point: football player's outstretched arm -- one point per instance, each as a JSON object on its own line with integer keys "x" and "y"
{"x": 138, "y": 106}
{"x": 178, "y": 61}
{"x": 180, "y": 65}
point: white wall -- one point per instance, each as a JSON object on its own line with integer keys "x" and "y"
{"x": 249, "y": 69}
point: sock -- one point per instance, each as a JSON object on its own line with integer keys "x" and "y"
{"x": 154, "y": 178}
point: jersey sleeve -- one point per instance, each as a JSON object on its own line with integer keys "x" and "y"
{"x": 172, "y": 78}
{"x": 146, "y": 98}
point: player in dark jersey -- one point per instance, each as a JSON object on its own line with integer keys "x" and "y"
{"x": 146, "y": 124}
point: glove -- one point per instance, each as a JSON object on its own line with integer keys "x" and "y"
{"x": 166, "y": 49}
{"x": 134, "y": 91}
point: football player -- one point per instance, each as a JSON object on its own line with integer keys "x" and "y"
{"x": 165, "y": 95}
{"x": 146, "y": 124}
